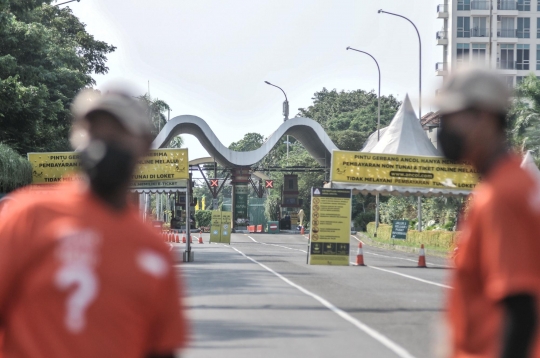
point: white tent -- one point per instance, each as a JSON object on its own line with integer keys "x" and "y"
{"x": 404, "y": 136}
{"x": 529, "y": 164}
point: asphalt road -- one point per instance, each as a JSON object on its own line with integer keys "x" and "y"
{"x": 259, "y": 298}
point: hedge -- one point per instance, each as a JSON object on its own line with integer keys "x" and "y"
{"x": 15, "y": 170}
{"x": 432, "y": 238}
{"x": 203, "y": 217}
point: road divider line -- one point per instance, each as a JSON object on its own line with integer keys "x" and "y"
{"x": 411, "y": 277}
{"x": 385, "y": 341}
{"x": 285, "y": 247}
{"x": 403, "y": 258}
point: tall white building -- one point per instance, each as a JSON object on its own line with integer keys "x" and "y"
{"x": 500, "y": 34}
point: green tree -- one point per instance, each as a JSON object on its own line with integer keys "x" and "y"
{"x": 46, "y": 57}
{"x": 350, "y": 117}
{"x": 251, "y": 141}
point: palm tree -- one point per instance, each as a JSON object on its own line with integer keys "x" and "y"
{"x": 524, "y": 117}
{"x": 156, "y": 111}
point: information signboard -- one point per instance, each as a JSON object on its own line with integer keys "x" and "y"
{"x": 220, "y": 226}
{"x": 158, "y": 165}
{"x": 330, "y": 227}
{"x": 215, "y": 226}
{"x": 241, "y": 193}
{"x": 401, "y": 170}
{"x": 399, "y": 229}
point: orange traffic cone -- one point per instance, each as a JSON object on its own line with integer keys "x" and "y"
{"x": 360, "y": 255}
{"x": 200, "y": 238}
{"x": 190, "y": 239}
{"x": 422, "y": 257}
{"x": 302, "y": 231}
{"x": 183, "y": 238}
{"x": 177, "y": 238}
{"x": 168, "y": 237}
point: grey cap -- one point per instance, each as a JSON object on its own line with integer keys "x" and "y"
{"x": 474, "y": 89}
{"x": 131, "y": 113}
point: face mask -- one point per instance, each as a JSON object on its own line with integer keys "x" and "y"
{"x": 108, "y": 166}
{"x": 451, "y": 144}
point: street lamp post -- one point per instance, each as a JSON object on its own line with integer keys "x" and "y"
{"x": 285, "y": 112}
{"x": 420, "y": 57}
{"x": 378, "y": 129}
{"x": 379, "y": 94}
{"x": 419, "y": 98}
{"x": 67, "y": 2}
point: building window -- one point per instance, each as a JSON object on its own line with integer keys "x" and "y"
{"x": 519, "y": 79}
{"x": 538, "y": 57}
{"x": 479, "y": 53}
{"x": 509, "y": 81}
{"x": 480, "y": 27}
{"x": 464, "y": 5}
{"x": 463, "y": 26}
{"x": 538, "y": 27}
{"x": 523, "y": 27}
{"x": 538, "y": 6}
{"x": 524, "y": 5}
{"x": 507, "y": 27}
{"x": 522, "y": 58}
{"x": 462, "y": 54}
{"x": 506, "y": 61}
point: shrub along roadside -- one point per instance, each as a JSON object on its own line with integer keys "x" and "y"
{"x": 203, "y": 217}
{"x": 15, "y": 170}
{"x": 434, "y": 239}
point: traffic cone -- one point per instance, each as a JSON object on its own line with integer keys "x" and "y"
{"x": 169, "y": 237}
{"x": 422, "y": 257}
{"x": 302, "y": 231}
{"x": 177, "y": 238}
{"x": 183, "y": 238}
{"x": 360, "y": 255}
{"x": 200, "y": 238}
{"x": 190, "y": 239}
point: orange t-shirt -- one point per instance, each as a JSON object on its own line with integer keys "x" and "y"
{"x": 78, "y": 279}
{"x": 498, "y": 257}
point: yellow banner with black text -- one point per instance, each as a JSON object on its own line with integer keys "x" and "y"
{"x": 158, "y": 165}
{"x": 401, "y": 170}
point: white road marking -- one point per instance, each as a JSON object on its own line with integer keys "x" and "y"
{"x": 411, "y": 277}
{"x": 374, "y": 267}
{"x": 285, "y": 247}
{"x": 402, "y": 258}
{"x": 398, "y": 258}
{"x": 397, "y": 349}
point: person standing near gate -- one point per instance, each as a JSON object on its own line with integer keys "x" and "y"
{"x": 494, "y": 304}
{"x": 80, "y": 274}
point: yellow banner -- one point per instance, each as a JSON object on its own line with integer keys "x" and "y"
{"x": 330, "y": 227}
{"x": 158, "y": 165}
{"x": 401, "y": 170}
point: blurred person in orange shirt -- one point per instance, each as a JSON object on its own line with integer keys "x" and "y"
{"x": 493, "y": 308}
{"x": 80, "y": 274}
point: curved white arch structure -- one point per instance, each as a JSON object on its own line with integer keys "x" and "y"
{"x": 305, "y": 130}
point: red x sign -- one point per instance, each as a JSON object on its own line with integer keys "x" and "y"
{"x": 214, "y": 183}
{"x": 269, "y": 184}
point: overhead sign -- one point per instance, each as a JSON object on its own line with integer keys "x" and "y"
{"x": 330, "y": 227}
{"x": 401, "y": 170}
{"x": 214, "y": 183}
{"x": 399, "y": 229}
{"x": 269, "y": 184}
{"x": 158, "y": 165}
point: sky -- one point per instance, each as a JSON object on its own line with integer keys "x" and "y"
{"x": 210, "y": 58}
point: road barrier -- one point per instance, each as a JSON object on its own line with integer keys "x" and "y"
{"x": 251, "y": 228}
{"x": 260, "y": 228}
